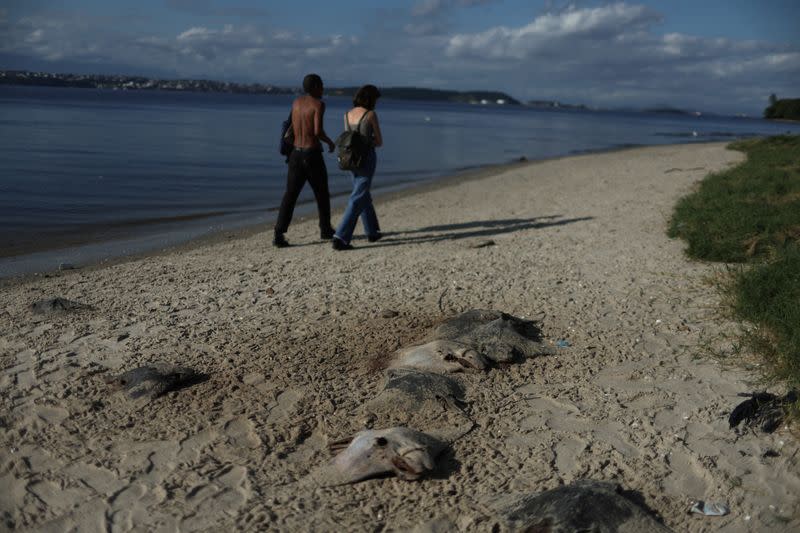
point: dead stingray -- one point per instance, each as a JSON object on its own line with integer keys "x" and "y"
{"x": 500, "y": 337}
{"x": 439, "y": 356}
{"x": 428, "y": 401}
{"x": 154, "y": 380}
{"x": 57, "y": 305}
{"x": 585, "y": 505}
{"x": 473, "y": 340}
{"x": 425, "y": 386}
{"x": 407, "y": 453}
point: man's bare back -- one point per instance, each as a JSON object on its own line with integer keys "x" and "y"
{"x": 307, "y": 123}
{"x": 306, "y": 162}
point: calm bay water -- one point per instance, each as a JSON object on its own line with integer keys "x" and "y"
{"x": 92, "y": 174}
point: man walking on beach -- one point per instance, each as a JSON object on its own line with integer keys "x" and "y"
{"x": 306, "y": 162}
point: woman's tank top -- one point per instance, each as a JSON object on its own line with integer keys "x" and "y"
{"x": 364, "y": 126}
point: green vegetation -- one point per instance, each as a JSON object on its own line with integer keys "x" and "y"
{"x": 751, "y": 214}
{"x": 769, "y": 296}
{"x": 747, "y": 212}
{"x": 787, "y": 108}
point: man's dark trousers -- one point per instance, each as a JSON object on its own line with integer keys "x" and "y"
{"x": 305, "y": 165}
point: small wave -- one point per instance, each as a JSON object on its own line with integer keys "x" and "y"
{"x": 611, "y": 148}
{"x": 705, "y": 134}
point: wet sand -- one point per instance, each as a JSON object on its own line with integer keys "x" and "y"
{"x": 293, "y": 341}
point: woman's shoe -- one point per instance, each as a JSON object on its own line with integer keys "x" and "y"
{"x": 340, "y": 245}
{"x": 375, "y": 238}
{"x": 326, "y": 234}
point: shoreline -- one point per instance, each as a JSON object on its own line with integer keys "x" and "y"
{"x": 293, "y": 342}
{"x": 303, "y": 212}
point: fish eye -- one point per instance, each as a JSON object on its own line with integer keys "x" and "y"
{"x": 381, "y": 441}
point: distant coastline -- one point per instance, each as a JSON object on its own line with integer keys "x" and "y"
{"x": 134, "y": 83}
{"x": 475, "y": 97}
{"x": 141, "y": 83}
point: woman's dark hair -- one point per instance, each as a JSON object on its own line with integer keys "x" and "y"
{"x": 366, "y": 97}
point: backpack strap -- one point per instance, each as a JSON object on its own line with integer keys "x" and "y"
{"x": 358, "y": 126}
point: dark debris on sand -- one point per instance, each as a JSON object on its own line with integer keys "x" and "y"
{"x": 762, "y": 409}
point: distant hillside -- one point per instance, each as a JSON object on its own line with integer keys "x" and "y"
{"x": 133, "y": 83}
{"x": 785, "y": 108}
{"x": 417, "y": 93}
{"x": 665, "y": 110}
{"x": 124, "y": 82}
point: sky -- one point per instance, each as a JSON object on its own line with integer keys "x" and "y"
{"x": 725, "y": 56}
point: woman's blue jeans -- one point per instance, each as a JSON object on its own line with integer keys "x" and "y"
{"x": 360, "y": 204}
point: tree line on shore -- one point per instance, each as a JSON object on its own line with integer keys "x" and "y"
{"x": 784, "y": 108}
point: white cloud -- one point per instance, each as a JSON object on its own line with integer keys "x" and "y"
{"x": 608, "y": 55}
{"x": 546, "y": 32}
{"x": 207, "y": 8}
{"x": 430, "y": 7}
{"x": 35, "y": 36}
{"x": 242, "y": 53}
{"x": 192, "y": 33}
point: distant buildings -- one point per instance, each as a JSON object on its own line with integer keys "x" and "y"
{"x": 98, "y": 81}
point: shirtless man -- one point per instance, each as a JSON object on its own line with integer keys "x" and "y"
{"x": 306, "y": 162}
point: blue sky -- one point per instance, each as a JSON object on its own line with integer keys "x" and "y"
{"x": 717, "y": 55}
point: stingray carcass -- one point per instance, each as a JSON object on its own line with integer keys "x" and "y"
{"x": 57, "y": 305}
{"x": 473, "y": 340}
{"x": 499, "y": 337}
{"x": 428, "y": 401}
{"x": 151, "y": 381}
{"x": 584, "y": 505}
{"x": 418, "y": 387}
{"x": 405, "y": 452}
{"x": 439, "y": 356}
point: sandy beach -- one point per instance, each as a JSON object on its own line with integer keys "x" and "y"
{"x": 294, "y": 341}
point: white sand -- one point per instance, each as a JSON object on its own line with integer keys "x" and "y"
{"x": 294, "y": 340}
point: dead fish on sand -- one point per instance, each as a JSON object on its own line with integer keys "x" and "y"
{"x": 439, "y": 356}
{"x": 57, "y": 305}
{"x": 405, "y": 452}
{"x": 584, "y": 505}
{"x": 420, "y": 387}
{"x": 498, "y": 336}
{"x": 154, "y": 380}
{"x": 428, "y": 401}
{"x": 474, "y": 340}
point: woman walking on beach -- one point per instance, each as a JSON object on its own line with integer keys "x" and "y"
{"x": 363, "y": 117}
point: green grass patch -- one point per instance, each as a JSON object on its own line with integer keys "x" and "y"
{"x": 768, "y": 295}
{"x": 751, "y": 214}
{"x": 747, "y": 212}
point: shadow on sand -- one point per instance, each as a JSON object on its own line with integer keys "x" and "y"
{"x": 470, "y": 230}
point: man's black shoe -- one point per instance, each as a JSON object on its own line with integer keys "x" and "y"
{"x": 326, "y": 234}
{"x": 279, "y": 241}
{"x": 375, "y": 238}
{"x": 340, "y": 245}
